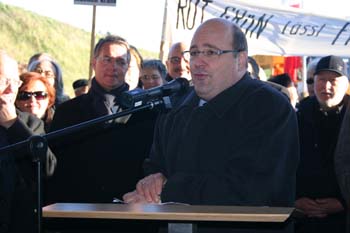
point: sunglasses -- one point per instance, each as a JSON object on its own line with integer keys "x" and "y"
{"x": 310, "y": 81}
{"x": 38, "y": 95}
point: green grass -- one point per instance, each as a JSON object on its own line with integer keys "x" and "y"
{"x": 23, "y": 33}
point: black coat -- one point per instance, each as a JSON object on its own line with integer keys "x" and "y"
{"x": 316, "y": 176}
{"x": 241, "y": 148}
{"x": 99, "y": 163}
{"x": 18, "y": 177}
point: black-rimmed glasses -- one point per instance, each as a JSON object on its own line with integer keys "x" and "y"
{"x": 207, "y": 52}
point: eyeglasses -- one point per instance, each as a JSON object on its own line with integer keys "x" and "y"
{"x": 46, "y": 73}
{"x": 209, "y": 53}
{"x": 110, "y": 60}
{"x": 8, "y": 81}
{"x": 38, "y": 95}
{"x": 177, "y": 60}
{"x": 310, "y": 81}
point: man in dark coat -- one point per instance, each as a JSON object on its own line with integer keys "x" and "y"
{"x": 17, "y": 173}
{"x": 318, "y": 195}
{"x": 100, "y": 163}
{"x": 342, "y": 161}
{"x": 233, "y": 141}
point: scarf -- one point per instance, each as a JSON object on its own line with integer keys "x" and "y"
{"x": 106, "y": 102}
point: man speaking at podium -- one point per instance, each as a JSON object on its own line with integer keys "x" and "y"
{"x": 233, "y": 141}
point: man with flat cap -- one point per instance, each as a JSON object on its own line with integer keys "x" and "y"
{"x": 320, "y": 117}
{"x": 80, "y": 86}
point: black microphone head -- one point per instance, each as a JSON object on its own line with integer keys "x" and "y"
{"x": 177, "y": 85}
{"x": 138, "y": 97}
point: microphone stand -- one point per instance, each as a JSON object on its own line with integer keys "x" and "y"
{"x": 38, "y": 143}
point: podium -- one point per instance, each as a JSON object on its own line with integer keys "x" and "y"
{"x": 180, "y": 217}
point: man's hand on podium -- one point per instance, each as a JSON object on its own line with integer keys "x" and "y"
{"x": 148, "y": 190}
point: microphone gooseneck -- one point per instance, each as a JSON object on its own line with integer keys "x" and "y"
{"x": 138, "y": 97}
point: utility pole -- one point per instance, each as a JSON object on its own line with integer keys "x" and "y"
{"x": 92, "y": 44}
{"x": 164, "y": 43}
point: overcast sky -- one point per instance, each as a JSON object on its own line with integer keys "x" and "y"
{"x": 140, "y": 21}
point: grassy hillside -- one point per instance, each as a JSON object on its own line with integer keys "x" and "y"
{"x": 23, "y": 33}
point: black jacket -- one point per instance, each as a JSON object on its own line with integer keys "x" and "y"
{"x": 316, "y": 176}
{"x": 101, "y": 162}
{"x": 248, "y": 132}
{"x": 18, "y": 176}
{"x": 240, "y": 148}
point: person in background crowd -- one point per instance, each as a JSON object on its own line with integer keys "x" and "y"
{"x": 134, "y": 70}
{"x": 253, "y": 69}
{"x": 153, "y": 73}
{"x": 37, "y": 97}
{"x": 286, "y": 81}
{"x": 177, "y": 64}
{"x": 22, "y": 68}
{"x": 342, "y": 161}
{"x": 45, "y": 65}
{"x": 17, "y": 182}
{"x": 101, "y": 162}
{"x": 229, "y": 115}
{"x": 310, "y": 76}
{"x": 318, "y": 195}
{"x": 80, "y": 86}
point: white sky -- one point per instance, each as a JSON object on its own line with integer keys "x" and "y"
{"x": 140, "y": 21}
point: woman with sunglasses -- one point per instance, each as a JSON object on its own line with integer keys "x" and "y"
{"x": 36, "y": 96}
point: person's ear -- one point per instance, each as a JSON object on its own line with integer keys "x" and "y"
{"x": 242, "y": 60}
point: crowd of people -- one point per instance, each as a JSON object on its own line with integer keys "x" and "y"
{"x": 229, "y": 139}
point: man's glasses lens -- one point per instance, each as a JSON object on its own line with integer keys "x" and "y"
{"x": 39, "y": 95}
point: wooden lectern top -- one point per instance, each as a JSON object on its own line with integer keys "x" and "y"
{"x": 168, "y": 212}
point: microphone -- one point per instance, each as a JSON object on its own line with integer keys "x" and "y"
{"x": 139, "y": 97}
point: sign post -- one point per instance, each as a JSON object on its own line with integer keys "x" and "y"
{"x": 94, "y": 3}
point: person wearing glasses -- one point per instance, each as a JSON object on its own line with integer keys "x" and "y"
{"x": 17, "y": 173}
{"x": 232, "y": 141}
{"x": 36, "y": 96}
{"x": 177, "y": 64}
{"x": 45, "y": 65}
{"x": 102, "y": 162}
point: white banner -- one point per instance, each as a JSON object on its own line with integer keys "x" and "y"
{"x": 269, "y": 31}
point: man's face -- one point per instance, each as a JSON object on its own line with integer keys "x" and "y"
{"x": 9, "y": 79}
{"x": 110, "y": 66}
{"x": 177, "y": 65}
{"x": 330, "y": 88}
{"x": 213, "y": 74}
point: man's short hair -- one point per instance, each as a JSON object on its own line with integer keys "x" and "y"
{"x": 114, "y": 40}
{"x": 239, "y": 42}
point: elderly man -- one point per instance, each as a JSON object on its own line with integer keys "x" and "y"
{"x": 320, "y": 118}
{"x": 101, "y": 163}
{"x": 177, "y": 65}
{"x": 233, "y": 141}
{"x": 17, "y": 197}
